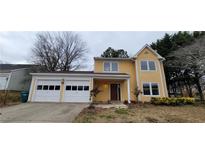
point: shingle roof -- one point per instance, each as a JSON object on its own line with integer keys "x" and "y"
{"x": 6, "y": 68}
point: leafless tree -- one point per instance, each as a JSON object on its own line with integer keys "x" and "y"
{"x": 59, "y": 51}
{"x": 192, "y": 60}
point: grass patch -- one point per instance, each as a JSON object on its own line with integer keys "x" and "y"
{"x": 108, "y": 117}
{"x": 144, "y": 114}
{"x": 121, "y": 111}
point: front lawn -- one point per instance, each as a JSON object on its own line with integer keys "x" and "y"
{"x": 144, "y": 114}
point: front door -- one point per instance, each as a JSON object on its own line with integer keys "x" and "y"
{"x": 115, "y": 92}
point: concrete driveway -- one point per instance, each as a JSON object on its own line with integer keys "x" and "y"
{"x": 41, "y": 112}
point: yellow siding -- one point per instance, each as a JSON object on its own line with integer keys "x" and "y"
{"x": 124, "y": 66}
{"x": 128, "y": 66}
{"x": 150, "y": 76}
{"x": 104, "y": 87}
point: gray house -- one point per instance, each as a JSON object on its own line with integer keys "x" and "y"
{"x": 15, "y": 76}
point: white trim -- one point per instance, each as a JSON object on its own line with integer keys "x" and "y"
{"x": 148, "y": 68}
{"x": 9, "y": 78}
{"x": 30, "y": 90}
{"x": 34, "y": 90}
{"x": 150, "y": 87}
{"x": 109, "y": 87}
{"x": 137, "y": 77}
{"x": 92, "y": 84}
{"x": 161, "y": 79}
{"x": 113, "y": 59}
{"x": 128, "y": 90}
{"x": 110, "y": 62}
{"x": 80, "y": 75}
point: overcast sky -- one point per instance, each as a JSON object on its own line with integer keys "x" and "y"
{"x": 15, "y": 47}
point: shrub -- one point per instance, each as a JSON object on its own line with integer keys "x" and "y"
{"x": 172, "y": 101}
{"x": 12, "y": 97}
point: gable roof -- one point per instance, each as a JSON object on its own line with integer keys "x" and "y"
{"x": 131, "y": 58}
{"x": 152, "y": 50}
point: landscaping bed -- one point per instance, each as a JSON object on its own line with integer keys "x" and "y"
{"x": 139, "y": 113}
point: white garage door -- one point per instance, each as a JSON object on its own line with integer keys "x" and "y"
{"x": 3, "y": 82}
{"x": 77, "y": 91}
{"x": 47, "y": 91}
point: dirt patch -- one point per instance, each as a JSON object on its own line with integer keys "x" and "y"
{"x": 152, "y": 120}
{"x": 144, "y": 114}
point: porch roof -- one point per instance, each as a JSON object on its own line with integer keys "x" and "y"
{"x": 111, "y": 76}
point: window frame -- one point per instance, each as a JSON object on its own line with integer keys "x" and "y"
{"x": 148, "y": 67}
{"x": 150, "y": 87}
{"x": 104, "y": 67}
{"x": 110, "y": 63}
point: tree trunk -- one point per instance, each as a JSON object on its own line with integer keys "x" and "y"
{"x": 198, "y": 85}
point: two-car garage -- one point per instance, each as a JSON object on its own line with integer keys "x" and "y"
{"x": 55, "y": 88}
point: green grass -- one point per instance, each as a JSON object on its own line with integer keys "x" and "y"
{"x": 107, "y": 116}
{"x": 121, "y": 111}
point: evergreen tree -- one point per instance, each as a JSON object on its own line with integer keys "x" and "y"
{"x": 112, "y": 53}
{"x": 166, "y": 47}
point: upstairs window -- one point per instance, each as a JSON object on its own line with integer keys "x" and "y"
{"x": 147, "y": 65}
{"x": 110, "y": 66}
{"x": 106, "y": 67}
{"x": 144, "y": 65}
{"x": 152, "y": 65}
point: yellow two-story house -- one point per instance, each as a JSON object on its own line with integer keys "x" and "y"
{"x": 116, "y": 79}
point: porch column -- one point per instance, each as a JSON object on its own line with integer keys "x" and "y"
{"x": 128, "y": 90}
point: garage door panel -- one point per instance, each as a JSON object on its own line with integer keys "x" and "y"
{"x": 47, "y": 91}
{"x": 77, "y": 91}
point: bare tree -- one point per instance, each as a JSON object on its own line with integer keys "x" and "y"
{"x": 59, "y": 51}
{"x": 191, "y": 59}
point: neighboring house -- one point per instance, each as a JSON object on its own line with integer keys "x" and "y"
{"x": 15, "y": 76}
{"x": 116, "y": 78}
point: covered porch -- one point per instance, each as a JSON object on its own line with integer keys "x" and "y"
{"x": 114, "y": 88}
